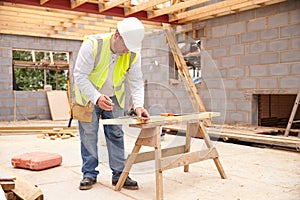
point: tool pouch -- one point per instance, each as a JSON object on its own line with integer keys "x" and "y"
{"x": 82, "y": 113}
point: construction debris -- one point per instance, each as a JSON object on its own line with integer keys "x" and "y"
{"x": 56, "y": 133}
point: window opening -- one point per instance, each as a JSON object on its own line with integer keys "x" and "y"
{"x": 33, "y": 70}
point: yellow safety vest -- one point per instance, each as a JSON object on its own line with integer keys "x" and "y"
{"x": 102, "y": 61}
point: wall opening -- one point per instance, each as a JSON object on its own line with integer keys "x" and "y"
{"x": 274, "y": 110}
{"x": 35, "y": 70}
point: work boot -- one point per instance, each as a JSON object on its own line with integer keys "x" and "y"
{"x": 86, "y": 183}
{"x": 129, "y": 184}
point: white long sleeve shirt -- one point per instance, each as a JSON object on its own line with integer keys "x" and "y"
{"x": 85, "y": 64}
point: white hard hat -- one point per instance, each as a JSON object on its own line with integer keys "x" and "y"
{"x": 132, "y": 31}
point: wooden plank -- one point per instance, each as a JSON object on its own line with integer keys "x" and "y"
{"x": 76, "y": 3}
{"x": 59, "y": 105}
{"x": 149, "y": 155}
{"x": 187, "y": 158}
{"x": 7, "y": 185}
{"x": 174, "y": 8}
{"x": 127, "y": 166}
{"x": 143, "y": 6}
{"x": 23, "y": 188}
{"x": 292, "y": 116}
{"x": 110, "y": 4}
{"x": 43, "y": 1}
{"x": 185, "y": 75}
{"x": 187, "y": 148}
{"x": 55, "y": 23}
{"x": 158, "y": 168}
{"x": 219, "y": 9}
{"x": 261, "y": 139}
{"x": 159, "y": 120}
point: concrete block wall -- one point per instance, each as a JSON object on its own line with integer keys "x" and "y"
{"x": 255, "y": 52}
{"x": 23, "y": 105}
{"x": 160, "y": 95}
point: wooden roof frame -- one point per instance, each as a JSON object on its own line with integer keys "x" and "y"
{"x": 176, "y": 12}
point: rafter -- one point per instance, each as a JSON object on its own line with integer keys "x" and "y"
{"x": 175, "y": 7}
{"x": 205, "y": 9}
{"x": 76, "y": 3}
{"x": 111, "y": 4}
{"x": 220, "y": 9}
{"x": 143, "y": 6}
{"x": 43, "y": 1}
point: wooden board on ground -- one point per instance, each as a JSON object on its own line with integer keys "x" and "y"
{"x": 246, "y": 134}
{"x": 59, "y": 105}
{"x": 23, "y": 188}
{"x": 7, "y": 181}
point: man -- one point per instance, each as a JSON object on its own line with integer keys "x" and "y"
{"x": 102, "y": 64}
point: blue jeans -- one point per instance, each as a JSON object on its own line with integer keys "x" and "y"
{"x": 114, "y": 139}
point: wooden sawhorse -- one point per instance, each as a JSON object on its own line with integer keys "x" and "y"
{"x": 169, "y": 158}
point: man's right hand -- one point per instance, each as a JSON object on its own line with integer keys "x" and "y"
{"x": 105, "y": 103}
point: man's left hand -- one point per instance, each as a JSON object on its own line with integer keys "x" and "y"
{"x": 142, "y": 112}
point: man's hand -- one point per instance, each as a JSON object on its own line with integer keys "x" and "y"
{"x": 142, "y": 112}
{"x": 105, "y": 103}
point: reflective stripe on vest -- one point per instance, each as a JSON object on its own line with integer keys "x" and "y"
{"x": 102, "y": 61}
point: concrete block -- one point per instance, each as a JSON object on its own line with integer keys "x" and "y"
{"x": 291, "y": 56}
{"x": 266, "y": 11}
{"x": 269, "y": 34}
{"x": 6, "y": 111}
{"x": 235, "y": 117}
{"x": 236, "y": 28}
{"x": 244, "y": 106}
{"x": 295, "y": 69}
{"x": 247, "y": 83}
{"x": 219, "y": 52}
{"x": 230, "y": 105}
{"x": 289, "y": 82}
{"x": 27, "y": 103}
{"x": 237, "y": 50}
{"x": 279, "y": 70}
{"x": 230, "y": 40}
{"x": 278, "y": 19}
{"x": 256, "y": 24}
{"x": 4, "y": 43}
{"x": 259, "y": 70}
{"x": 279, "y": 45}
{"x": 245, "y": 15}
{"x": 219, "y": 31}
{"x": 215, "y": 42}
{"x": 228, "y": 61}
{"x": 234, "y": 72}
{"x": 249, "y": 60}
{"x": 60, "y": 42}
{"x": 288, "y": 31}
{"x": 249, "y": 37}
{"x": 230, "y": 84}
{"x": 269, "y": 58}
{"x": 295, "y": 43}
{"x": 9, "y": 37}
{"x": 258, "y": 47}
{"x": 268, "y": 83}
{"x": 236, "y": 94}
{"x": 295, "y": 16}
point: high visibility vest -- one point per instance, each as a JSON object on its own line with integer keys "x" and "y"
{"x": 101, "y": 53}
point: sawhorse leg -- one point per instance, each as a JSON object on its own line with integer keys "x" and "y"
{"x": 148, "y": 137}
{"x": 207, "y": 141}
{"x": 128, "y": 164}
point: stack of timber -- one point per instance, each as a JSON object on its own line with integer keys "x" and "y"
{"x": 251, "y": 134}
{"x": 20, "y": 130}
{"x": 16, "y": 187}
